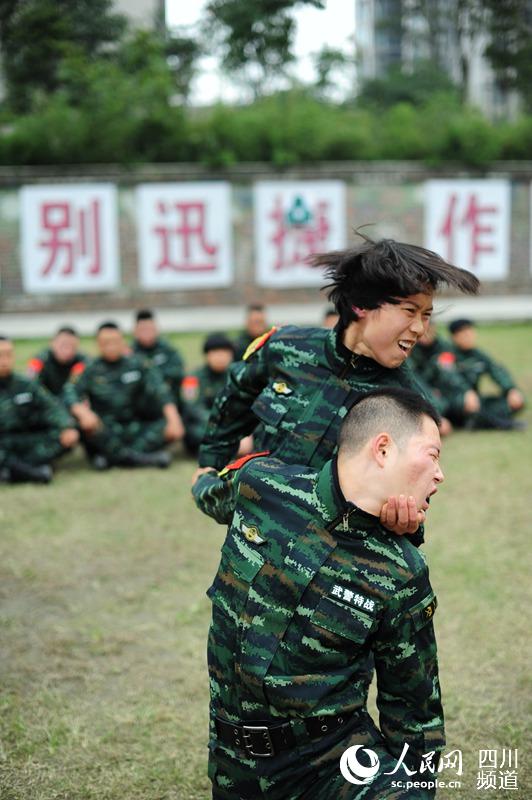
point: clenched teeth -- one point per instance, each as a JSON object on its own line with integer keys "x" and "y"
{"x": 406, "y": 345}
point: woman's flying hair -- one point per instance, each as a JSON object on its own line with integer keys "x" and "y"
{"x": 385, "y": 271}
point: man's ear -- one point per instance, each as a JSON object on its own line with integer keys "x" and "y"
{"x": 380, "y": 448}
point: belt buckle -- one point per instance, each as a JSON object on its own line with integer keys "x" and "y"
{"x": 249, "y": 745}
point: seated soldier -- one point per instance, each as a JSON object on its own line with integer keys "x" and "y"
{"x": 157, "y": 352}
{"x": 310, "y": 587}
{"x": 55, "y": 365}
{"x": 34, "y": 427}
{"x": 496, "y": 411}
{"x": 434, "y": 365}
{"x": 201, "y": 387}
{"x": 256, "y": 324}
{"x": 124, "y": 409}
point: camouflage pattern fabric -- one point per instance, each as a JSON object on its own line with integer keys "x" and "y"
{"x": 31, "y": 420}
{"x": 128, "y": 397}
{"x": 167, "y": 360}
{"x": 435, "y": 366}
{"x": 198, "y": 392}
{"x": 292, "y": 394}
{"x": 309, "y": 587}
{"x": 242, "y": 343}
{"x": 474, "y": 364}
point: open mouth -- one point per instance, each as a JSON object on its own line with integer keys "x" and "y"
{"x": 406, "y": 345}
{"x": 425, "y": 504}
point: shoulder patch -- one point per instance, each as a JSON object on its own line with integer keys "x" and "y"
{"x": 35, "y": 366}
{"x": 257, "y": 343}
{"x": 447, "y": 359}
{"x": 78, "y": 368}
{"x": 190, "y": 387}
{"x": 241, "y": 461}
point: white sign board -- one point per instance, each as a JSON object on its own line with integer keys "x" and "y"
{"x": 184, "y": 232}
{"x": 468, "y": 223}
{"x": 69, "y": 238}
{"x": 293, "y": 220}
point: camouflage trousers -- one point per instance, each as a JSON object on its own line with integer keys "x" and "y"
{"x": 33, "y": 447}
{"x": 493, "y": 414}
{"x": 118, "y": 439}
{"x": 312, "y": 772}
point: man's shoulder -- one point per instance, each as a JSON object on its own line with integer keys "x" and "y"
{"x": 277, "y": 480}
{"x": 22, "y": 383}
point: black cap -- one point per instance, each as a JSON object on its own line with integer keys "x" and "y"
{"x": 218, "y": 341}
{"x": 459, "y": 324}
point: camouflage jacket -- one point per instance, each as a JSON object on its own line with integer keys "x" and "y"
{"x": 27, "y": 406}
{"x": 45, "y": 368}
{"x": 474, "y": 364}
{"x": 167, "y": 359}
{"x": 292, "y": 394}
{"x": 122, "y": 390}
{"x": 436, "y": 368}
{"x": 307, "y": 588}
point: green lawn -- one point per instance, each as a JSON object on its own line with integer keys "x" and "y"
{"x": 103, "y": 616}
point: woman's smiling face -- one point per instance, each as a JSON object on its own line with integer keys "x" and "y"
{"x": 388, "y": 334}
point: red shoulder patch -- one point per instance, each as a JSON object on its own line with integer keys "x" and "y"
{"x": 78, "y": 368}
{"x": 446, "y": 359}
{"x": 257, "y": 343}
{"x": 241, "y": 461}
{"x": 35, "y": 365}
{"x": 190, "y": 387}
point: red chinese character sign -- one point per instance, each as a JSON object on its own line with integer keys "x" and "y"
{"x": 468, "y": 223}
{"x": 69, "y": 238}
{"x": 293, "y": 220}
{"x": 185, "y": 235}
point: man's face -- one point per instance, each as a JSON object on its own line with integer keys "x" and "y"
{"x": 65, "y": 347}
{"x": 415, "y": 468}
{"x": 218, "y": 360}
{"x": 466, "y": 338}
{"x": 256, "y": 323}
{"x": 7, "y": 359}
{"x": 146, "y": 332}
{"x": 390, "y": 332}
{"x": 111, "y": 344}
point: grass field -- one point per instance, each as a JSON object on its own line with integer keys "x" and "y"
{"x": 103, "y": 616}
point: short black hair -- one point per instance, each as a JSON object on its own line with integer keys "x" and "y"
{"x": 144, "y": 313}
{"x": 384, "y": 272}
{"x": 4, "y": 338}
{"x": 218, "y": 341}
{"x": 67, "y": 329}
{"x": 108, "y": 324}
{"x": 330, "y": 312}
{"x": 398, "y": 411}
{"x": 255, "y": 307}
{"x": 459, "y": 324}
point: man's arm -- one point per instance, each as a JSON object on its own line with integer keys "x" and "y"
{"x": 215, "y": 495}
{"x": 231, "y": 417}
{"x": 408, "y": 690}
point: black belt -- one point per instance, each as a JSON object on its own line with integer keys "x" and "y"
{"x": 266, "y": 740}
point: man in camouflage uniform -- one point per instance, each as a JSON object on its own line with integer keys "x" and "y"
{"x": 34, "y": 426}
{"x": 472, "y": 365}
{"x": 309, "y": 587}
{"x": 256, "y": 325}
{"x": 55, "y": 365}
{"x": 295, "y": 385}
{"x": 434, "y": 365}
{"x": 200, "y": 387}
{"x": 123, "y": 407}
{"x": 157, "y": 352}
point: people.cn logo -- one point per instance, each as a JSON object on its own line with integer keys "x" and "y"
{"x": 355, "y": 772}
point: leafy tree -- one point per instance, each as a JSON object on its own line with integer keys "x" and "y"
{"x": 36, "y": 35}
{"x": 327, "y": 62}
{"x": 255, "y": 36}
{"x": 182, "y": 54}
{"x": 510, "y": 47}
{"x": 399, "y": 86}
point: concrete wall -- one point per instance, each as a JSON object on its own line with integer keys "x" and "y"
{"x": 389, "y": 194}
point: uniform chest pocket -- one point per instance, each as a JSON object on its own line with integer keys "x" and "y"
{"x": 338, "y": 622}
{"x": 423, "y": 613}
{"x": 239, "y": 565}
{"x": 270, "y": 409}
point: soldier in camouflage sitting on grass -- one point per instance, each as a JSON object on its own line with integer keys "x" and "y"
{"x": 124, "y": 409}
{"x": 310, "y": 586}
{"x": 35, "y": 428}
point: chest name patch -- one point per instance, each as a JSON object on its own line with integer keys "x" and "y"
{"x": 353, "y": 598}
{"x": 131, "y": 376}
{"x": 22, "y": 398}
